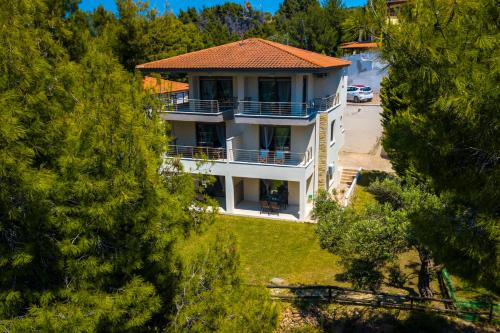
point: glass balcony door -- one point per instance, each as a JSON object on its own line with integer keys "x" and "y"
{"x": 276, "y": 95}
{"x": 211, "y": 135}
{"x": 275, "y": 138}
{"x": 217, "y": 88}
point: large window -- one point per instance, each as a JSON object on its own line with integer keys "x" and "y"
{"x": 210, "y": 135}
{"x": 216, "y": 88}
{"x": 275, "y": 138}
{"x": 275, "y": 89}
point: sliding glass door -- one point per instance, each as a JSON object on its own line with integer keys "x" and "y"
{"x": 275, "y": 89}
{"x": 275, "y": 138}
{"x": 217, "y": 88}
{"x": 211, "y": 135}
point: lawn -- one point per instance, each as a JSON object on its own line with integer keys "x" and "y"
{"x": 271, "y": 248}
{"x": 291, "y": 251}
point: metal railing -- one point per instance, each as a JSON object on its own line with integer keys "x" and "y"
{"x": 326, "y": 103}
{"x": 196, "y": 105}
{"x": 197, "y": 152}
{"x": 271, "y": 157}
{"x": 277, "y": 109}
{"x": 288, "y": 109}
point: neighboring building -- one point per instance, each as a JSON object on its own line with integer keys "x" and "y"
{"x": 168, "y": 90}
{"x": 358, "y": 47}
{"x": 267, "y": 115}
{"x": 394, "y": 7}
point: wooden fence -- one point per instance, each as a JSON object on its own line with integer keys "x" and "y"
{"x": 335, "y": 294}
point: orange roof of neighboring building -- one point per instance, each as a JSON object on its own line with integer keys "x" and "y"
{"x": 161, "y": 86}
{"x": 249, "y": 54}
{"x": 359, "y": 45}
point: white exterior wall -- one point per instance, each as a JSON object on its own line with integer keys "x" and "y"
{"x": 302, "y": 181}
{"x": 184, "y": 132}
{"x": 251, "y": 186}
{"x": 294, "y": 193}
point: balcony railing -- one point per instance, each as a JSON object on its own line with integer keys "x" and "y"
{"x": 276, "y": 109}
{"x": 271, "y": 157}
{"x": 241, "y": 155}
{"x": 323, "y": 104}
{"x": 197, "y": 152}
{"x": 197, "y": 105}
{"x": 287, "y": 109}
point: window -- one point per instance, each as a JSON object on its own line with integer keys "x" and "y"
{"x": 216, "y": 88}
{"x": 275, "y": 89}
{"x": 275, "y": 138}
{"x": 332, "y": 132}
{"x": 210, "y": 135}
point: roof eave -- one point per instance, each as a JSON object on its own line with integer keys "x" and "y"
{"x": 246, "y": 70}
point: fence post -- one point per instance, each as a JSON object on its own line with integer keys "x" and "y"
{"x": 411, "y": 302}
{"x": 329, "y": 294}
{"x": 490, "y": 316}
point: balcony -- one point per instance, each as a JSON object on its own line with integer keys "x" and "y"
{"x": 283, "y": 113}
{"x": 245, "y": 156}
{"x": 282, "y": 158}
{"x": 197, "y": 152}
{"x": 197, "y": 110}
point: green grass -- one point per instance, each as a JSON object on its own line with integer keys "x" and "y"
{"x": 271, "y": 248}
{"x": 289, "y": 250}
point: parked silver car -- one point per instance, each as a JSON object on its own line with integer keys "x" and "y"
{"x": 359, "y": 93}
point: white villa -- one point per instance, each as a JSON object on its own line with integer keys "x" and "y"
{"x": 268, "y": 117}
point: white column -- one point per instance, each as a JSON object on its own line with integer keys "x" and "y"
{"x": 229, "y": 194}
{"x": 302, "y": 199}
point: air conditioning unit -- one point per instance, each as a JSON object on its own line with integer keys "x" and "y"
{"x": 331, "y": 169}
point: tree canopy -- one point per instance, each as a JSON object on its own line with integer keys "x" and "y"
{"x": 441, "y": 125}
{"x": 90, "y": 212}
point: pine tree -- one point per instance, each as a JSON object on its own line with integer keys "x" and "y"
{"x": 88, "y": 218}
{"x": 441, "y": 125}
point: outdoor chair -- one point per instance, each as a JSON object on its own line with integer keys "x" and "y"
{"x": 280, "y": 157}
{"x": 263, "y": 154}
{"x": 275, "y": 207}
{"x": 264, "y": 206}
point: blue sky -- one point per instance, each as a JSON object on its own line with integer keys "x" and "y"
{"x": 176, "y": 5}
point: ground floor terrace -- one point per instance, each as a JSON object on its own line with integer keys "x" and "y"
{"x": 259, "y": 197}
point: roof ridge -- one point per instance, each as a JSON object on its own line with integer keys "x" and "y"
{"x": 281, "y": 48}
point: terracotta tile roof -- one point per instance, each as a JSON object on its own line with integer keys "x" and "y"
{"x": 249, "y": 54}
{"x": 164, "y": 86}
{"x": 359, "y": 45}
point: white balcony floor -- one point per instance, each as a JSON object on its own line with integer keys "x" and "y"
{"x": 252, "y": 209}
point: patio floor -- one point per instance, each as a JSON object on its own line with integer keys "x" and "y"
{"x": 251, "y": 208}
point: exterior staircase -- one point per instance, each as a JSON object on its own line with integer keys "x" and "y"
{"x": 347, "y": 177}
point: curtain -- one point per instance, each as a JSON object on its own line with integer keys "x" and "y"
{"x": 208, "y": 89}
{"x": 220, "y": 130}
{"x": 225, "y": 89}
{"x": 282, "y": 136}
{"x": 284, "y": 90}
{"x": 266, "y": 90}
{"x": 266, "y": 136}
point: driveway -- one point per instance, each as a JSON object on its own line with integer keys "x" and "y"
{"x": 363, "y": 131}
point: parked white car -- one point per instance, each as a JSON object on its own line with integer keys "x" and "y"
{"x": 359, "y": 93}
